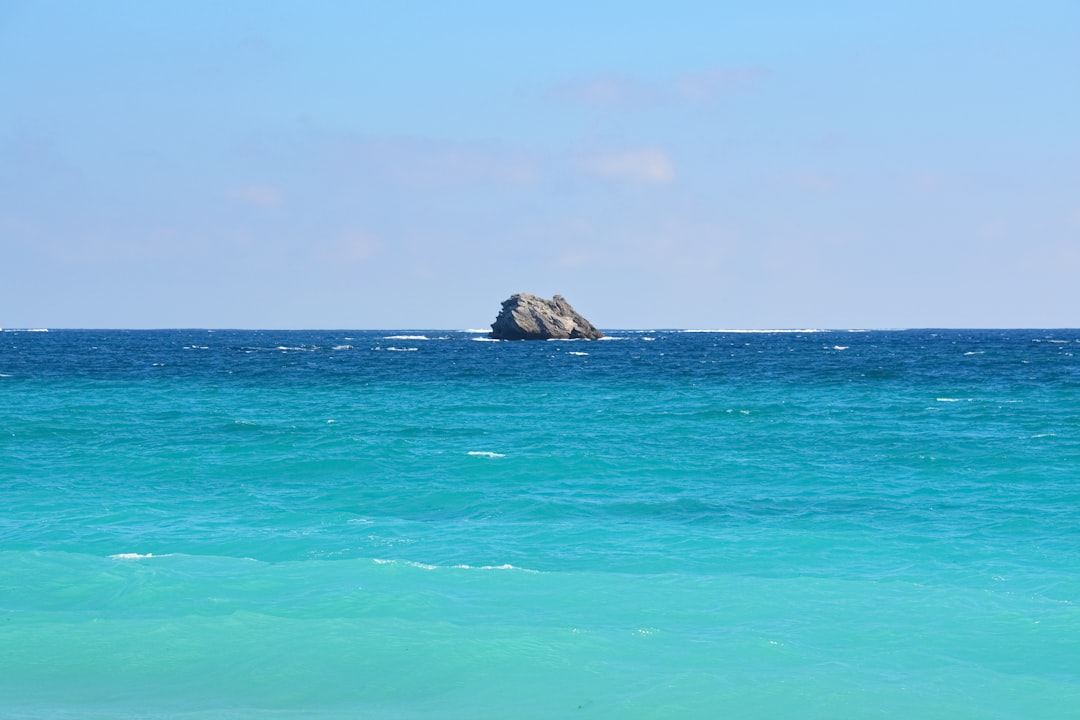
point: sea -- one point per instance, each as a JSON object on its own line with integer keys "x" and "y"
{"x": 428, "y": 524}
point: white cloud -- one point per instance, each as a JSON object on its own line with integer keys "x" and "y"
{"x": 642, "y": 164}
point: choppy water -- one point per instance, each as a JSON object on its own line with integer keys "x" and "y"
{"x": 239, "y": 524}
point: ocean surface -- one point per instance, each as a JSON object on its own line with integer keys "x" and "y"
{"x": 429, "y": 524}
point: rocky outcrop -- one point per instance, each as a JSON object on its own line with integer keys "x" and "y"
{"x": 527, "y": 317}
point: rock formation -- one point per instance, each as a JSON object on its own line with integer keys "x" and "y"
{"x": 527, "y": 317}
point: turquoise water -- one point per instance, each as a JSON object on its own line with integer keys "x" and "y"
{"x": 240, "y": 524}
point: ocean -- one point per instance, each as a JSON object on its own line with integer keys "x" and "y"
{"x": 430, "y": 524}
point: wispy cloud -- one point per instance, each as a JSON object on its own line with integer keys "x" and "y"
{"x": 813, "y": 181}
{"x": 615, "y": 91}
{"x": 607, "y": 91}
{"x": 420, "y": 163}
{"x": 716, "y": 82}
{"x": 259, "y": 196}
{"x": 652, "y": 165}
{"x": 351, "y": 245}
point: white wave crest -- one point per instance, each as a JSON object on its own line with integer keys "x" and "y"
{"x": 428, "y": 566}
{"x": 410, "y": 563}
{"x": 504, "y": 566}
{"x": 485, "y": 453}
{"x": 485, "y": 339}
{"x": 131, "y": 556}
{"x": 577, "y": 353}
{"x": 406, "y": 337}
{"x": 758, "y": 332}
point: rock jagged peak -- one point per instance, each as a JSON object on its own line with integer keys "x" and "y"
{"x": 528, "y": 317}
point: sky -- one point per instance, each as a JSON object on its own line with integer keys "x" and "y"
{"x": 677, "y": 164}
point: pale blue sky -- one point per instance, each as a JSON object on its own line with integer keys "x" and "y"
{"x": 411, "y": 164}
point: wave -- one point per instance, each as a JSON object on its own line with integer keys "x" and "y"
{"x": 131, "y": 556}
{"x": 462, "y": 566}
{"x": 504, "y": 566}
{"x": 406, "y": 337}
{"x": 572, "y": 352}
{"x": 485, "y": 453}
{"x": 758, "y": 332}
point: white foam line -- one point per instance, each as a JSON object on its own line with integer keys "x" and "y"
{"x": 427, "y": 566}
{"x": 505, "y": 566}
{"x": 758, "y": 332}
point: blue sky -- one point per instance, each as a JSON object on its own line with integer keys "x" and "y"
{"x": 411, "y": 164}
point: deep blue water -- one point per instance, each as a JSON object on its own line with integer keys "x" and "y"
{"x": 425, "y": 524}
